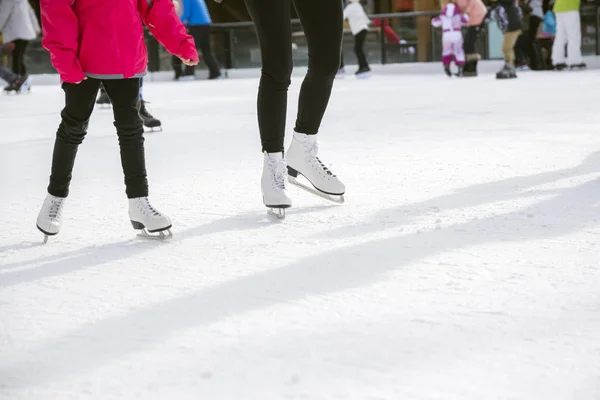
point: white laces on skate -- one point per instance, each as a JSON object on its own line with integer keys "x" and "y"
{"x": 146, "y": 208}
{"x": 278, "y": 169}
{"x": 312, "y": 149}
{"x": 55, "y": 208}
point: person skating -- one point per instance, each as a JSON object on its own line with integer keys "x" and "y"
{"x": 19, "y": 26}
{"x": 148, "y": 119}
{"x": 322, "y": 21}
{"x": 451, "y": 21}
{"x": 15, "y": 83}
{"x": 100, "y": 57}
{"x": 568, "y": 33}
{"x": 476, "y": 11}
{"x": 359, "y": 25}
{"x": 508, "y": 16}
{"x": 196, "y": 17}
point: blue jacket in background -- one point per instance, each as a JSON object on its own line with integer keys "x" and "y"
{"x": 195, "y": 12}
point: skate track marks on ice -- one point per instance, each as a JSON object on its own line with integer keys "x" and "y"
{"x": 464, "y": 264}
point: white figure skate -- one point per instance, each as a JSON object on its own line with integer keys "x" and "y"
{"x": 302, "y": 160}
{"x": 145, "y": 218}
{"x": 50, "y": 217}
{"x": 274, "y": 185}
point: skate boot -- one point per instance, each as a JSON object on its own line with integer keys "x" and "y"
{"x": 507, "y": 72}
{"x": 461, "y": 69}
{"x": 50, "y": 216}
{"x": 147, "y": 219}
{"x": 274, "y": 185}
{"x": 103, "y": 101}
{"x": 578, "y": 66}
{"x": 470, "y": 69}
{"x": 148, "y": 119}
{"x": 303, "y": 160}
{"x": 560, "y": 66}
{"x": 363, "y": 73}
{"x": 447, "y": 71}
{"x": 21, "y": 85}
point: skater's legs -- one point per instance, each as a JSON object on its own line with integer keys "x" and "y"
{"x": 79, "y": 104}
{"x": 447, "y": 49}
{"x": 359, "y": 42}
{"x": 201, "y": 34}
{"x": 18, "y": 57}
{"x": 7, "y": 75}
{"x": 560, "y": 39}
{"x": 471, "y": 39}
{"x": 177, "y": 64}
{"x": 124, "y": 96}
{"x": 272, "y": 22}
{"x": 573, "y": 28}
{"x": 322, "y": 22}
{"x": 508, "y": 46}
{"x": 457, "y": 49}
{"x": 534, "y": 56}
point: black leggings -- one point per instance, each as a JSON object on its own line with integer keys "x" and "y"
{"x": 322, "y": 22}
{"x": 18, "y": 56}
{"x": 79, "y": 105}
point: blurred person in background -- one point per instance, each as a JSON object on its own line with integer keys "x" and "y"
{"x": 19, "y": 25}
{"x": 568, "y": 33}
{"x": 476, "y": 11}
{"x": 195, "y": 16}
{"x": 509, "y": 17}
{"x": 359, "y": 25}
{"x": 451, "y": 21}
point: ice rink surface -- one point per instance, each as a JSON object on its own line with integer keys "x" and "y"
{"x": 463, "y": 266}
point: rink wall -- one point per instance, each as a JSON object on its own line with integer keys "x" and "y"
{"x": 485, "y": 67}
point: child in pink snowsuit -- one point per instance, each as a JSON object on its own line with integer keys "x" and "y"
{"x": 94, "y": 42}
{"x": 451, "y": 22}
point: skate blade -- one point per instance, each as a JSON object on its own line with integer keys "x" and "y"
{"x": 339, "y": 199}
{"x": 278, "y": 213}
{"x": 154, "y": 129}
{"x": 46, "y": 234}
{"x": 161, "y": 235}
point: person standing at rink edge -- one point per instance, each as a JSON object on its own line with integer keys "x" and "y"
{"x": 359, "y": 25}
{"x": 322, "y": 22}
{"x": 568, "y": 32}
{"x": 115, "y": 58}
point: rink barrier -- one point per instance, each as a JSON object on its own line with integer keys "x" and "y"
{"x": 487, "y": 69}
{"x": 236, "y": 47}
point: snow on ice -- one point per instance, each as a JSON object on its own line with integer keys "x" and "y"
{"x": 464, "y": 264}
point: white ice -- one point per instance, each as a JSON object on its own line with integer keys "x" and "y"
{"x": 464, "y": 264}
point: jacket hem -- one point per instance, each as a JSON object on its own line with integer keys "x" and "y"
{"x": 113, "y": 76}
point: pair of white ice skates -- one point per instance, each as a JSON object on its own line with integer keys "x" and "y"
{"x": 143, "y": 216}
{"x": 300, "y": 159}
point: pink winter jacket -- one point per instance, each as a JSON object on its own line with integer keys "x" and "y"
{"x": 104, "y": 39}
{"x": 475, "y": 9}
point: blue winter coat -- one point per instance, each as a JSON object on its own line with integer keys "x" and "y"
{"x": 195, "y": 12}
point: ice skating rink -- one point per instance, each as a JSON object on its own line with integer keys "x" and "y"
{"x": 463, "y": 266}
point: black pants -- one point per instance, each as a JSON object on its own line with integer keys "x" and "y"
{"x": 471, "y": 39}
{"x": 359, "y": 42}
{"x": 201, "y": 35}
{"x": 80, "y": 100}
{"x": 536, "y": 62}
{"x": 322, "y": 22}
{"x": 18, "y": 57}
